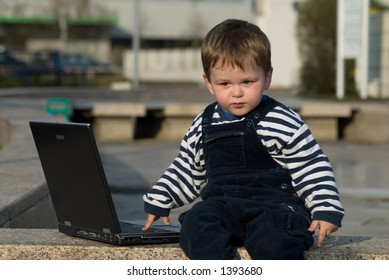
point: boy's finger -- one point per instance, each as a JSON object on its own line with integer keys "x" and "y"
{"x": 313, "y": 226}
{"x": 166, "y": 221}
{"x": 321, "y": 237}
{"x": 150, "y": 220}
{"x": 320, "y": 241}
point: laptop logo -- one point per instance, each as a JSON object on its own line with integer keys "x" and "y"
{"x": 60, "y": 137}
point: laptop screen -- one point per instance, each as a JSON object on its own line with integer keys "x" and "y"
{"x": 75, "y": 176}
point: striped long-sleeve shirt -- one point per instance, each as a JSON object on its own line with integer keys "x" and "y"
{"x": 287, "y": 139}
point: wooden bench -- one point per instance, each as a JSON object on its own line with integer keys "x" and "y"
{"x": 323, "y": 118}
{"x": 177, "y": 118}
{"x": 116, "y": 122}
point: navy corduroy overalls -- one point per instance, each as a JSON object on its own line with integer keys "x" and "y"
{"x": 248, "y": 200}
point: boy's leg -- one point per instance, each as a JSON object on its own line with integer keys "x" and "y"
{"x": 276, "y": 234}
{"x": 207, "y": 231}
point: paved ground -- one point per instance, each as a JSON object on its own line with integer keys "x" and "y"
{"x": 361, "y": 169}
{"x": 361, "y": 172}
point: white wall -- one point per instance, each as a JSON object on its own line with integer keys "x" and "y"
{"x": 182, "y": 19}
{"x": 277, "y": 18}
{"x": 165, "y": 65}
{"x": 378, "y": 74}
{"x": 177, "y": 18}
{"x": 385, "y": 57}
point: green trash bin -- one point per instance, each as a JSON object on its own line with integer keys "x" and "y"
{"x": 59, "y": 108}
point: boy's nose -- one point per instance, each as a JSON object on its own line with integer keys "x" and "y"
{"x": 237, "y": 91}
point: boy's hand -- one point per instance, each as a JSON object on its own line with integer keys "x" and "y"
{"x": 152, "y": 218}
{"x": 325, "y": 229}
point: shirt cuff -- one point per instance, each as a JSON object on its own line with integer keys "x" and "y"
{"x": 155, "y": 210}
{"x": 331, "y": 217}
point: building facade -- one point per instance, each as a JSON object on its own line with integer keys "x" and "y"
{"x": 170, "y": 33}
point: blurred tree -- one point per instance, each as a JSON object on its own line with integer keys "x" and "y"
{"x": 316, "y": 34}
{"x": 64, "y": 10}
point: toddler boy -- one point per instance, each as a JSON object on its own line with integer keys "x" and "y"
{"x": 264, "y": 182}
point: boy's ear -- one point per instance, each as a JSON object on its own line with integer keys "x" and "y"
{"x": 208, "y": 84}
{"x": 268, "y": 78}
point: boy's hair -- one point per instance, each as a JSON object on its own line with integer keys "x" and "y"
{"x": 235, "y": 42}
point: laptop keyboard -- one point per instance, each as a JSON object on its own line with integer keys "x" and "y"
{"x": 132, "y": 228}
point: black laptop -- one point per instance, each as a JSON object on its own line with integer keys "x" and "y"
{"x": 79, "y": 190}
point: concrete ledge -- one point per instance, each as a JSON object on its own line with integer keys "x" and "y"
{"x": 5, "y": 132}
{"x": 33, "y": 209}
{"x": 323, "y": 119}
{"x": 38, "y": 244}
{"x": 116, "y": 122}
{"x": 24, "y": 198}
{"x": 370, "y": 124}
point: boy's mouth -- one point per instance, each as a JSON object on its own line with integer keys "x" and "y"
{"x": 238, "y": 104}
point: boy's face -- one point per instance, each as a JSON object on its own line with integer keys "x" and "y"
{"x": 238, "y": 91}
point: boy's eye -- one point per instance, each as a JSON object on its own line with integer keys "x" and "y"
{"x": 224, "y": 84}
{"x": 247, "y": 82}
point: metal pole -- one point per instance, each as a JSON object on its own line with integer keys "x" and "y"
{"x": 365, "y": 49}
{"x": 136, "y": 43}
{"x": 340, "y": 51}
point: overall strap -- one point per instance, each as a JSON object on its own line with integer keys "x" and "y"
{"x": 264, "y": 107}
{"x": 208, "y": 113}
